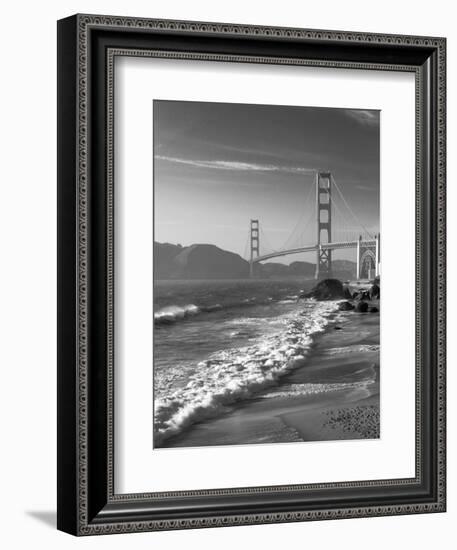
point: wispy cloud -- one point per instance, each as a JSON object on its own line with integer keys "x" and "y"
{"x": 276, "y": 156}
{"x": 367, "y": 118}
{"x": 236, "y": 165}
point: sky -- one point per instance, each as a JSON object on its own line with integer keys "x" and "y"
{"x": 218, "y": 165}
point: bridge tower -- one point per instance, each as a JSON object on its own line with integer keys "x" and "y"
{"x": 324, "y": 224}
{"x": 368, "y": 258}
{"x": 255, "y": 245}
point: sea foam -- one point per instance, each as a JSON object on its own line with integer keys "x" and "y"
{"x": 235, "y": 374}
{"x": 171, "y": 314}
{"x": 301, "y": 390}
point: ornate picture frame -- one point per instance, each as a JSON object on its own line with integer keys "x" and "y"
{"x": 87, "y": 501}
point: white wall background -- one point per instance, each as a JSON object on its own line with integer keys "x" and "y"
{"x": 28, "y": 280}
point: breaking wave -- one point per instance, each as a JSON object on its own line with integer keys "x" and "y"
{"x": 173, "y": 313}
{"x": 235, "y": 374}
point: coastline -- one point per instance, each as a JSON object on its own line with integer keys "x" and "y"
{"x": 334, "y": 395}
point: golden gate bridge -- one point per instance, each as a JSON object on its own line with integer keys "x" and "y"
{"x": 337, "y": 228}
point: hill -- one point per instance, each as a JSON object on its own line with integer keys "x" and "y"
{"x": 207, "y": 261}
{"x": 198, "y": 261}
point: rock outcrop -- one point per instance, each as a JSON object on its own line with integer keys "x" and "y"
{"x": 374, "y": 292}
{"x": 327, "y": 289}
{"x": 361, "y": 307}
{"x": 346, "y": 306}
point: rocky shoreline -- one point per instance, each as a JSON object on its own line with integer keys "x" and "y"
{"x": 331, "y": 395}
{"x": 362, "y": 420}
{"x": 359, "y": 297}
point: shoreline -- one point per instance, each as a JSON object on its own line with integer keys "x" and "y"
{"x": 333, "y": 395}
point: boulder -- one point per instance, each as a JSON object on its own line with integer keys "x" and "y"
{"x": 327, "y": 289}
{"x": 373, "y": 309}
{"x": 347, "y": 293}
{"x": 361, "y": 307}
{"x": 362, "y": 295}
{"x": 345, "y": 306}
{"x": 375, "y": 292}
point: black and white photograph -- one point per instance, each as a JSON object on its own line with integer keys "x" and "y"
{"x": 266, "y": 274}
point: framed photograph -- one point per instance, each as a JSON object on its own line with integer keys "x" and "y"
{"x": 231, "y": 201}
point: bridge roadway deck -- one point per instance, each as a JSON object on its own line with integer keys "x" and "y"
{"x": 315, "y": 247}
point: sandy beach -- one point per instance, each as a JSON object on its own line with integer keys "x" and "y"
{"x": 333, "y": 395}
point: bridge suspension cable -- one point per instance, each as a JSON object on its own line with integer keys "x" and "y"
{"x": 267, "y": 247}
{"x": 342, "y": 229}
{"x": 246, "y": 253}
{"x": 350, "y": 209}
{"x": 298, "y": 234}
{"x": 336, "y": 230}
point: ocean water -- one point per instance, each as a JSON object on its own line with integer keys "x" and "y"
{"x": 220, "y": 342}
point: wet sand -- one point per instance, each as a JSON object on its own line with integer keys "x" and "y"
{"x": 334, "y": 395}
